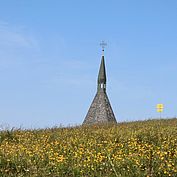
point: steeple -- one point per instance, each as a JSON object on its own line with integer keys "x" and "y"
{"x": 100, "y": 110}
{"x": 102, "y": 76}
{"x": 102, "y": 72}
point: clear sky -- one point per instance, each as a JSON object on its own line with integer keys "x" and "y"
{"x": 50, "y": 57}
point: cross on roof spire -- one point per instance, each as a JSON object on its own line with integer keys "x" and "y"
{"x": 100, "y": 110}
{"x": 103, "y": 45}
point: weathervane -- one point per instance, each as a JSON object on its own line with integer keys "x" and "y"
{"x": 103, "y": 45}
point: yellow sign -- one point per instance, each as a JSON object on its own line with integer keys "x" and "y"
{"x": 159, "y": 107}
{"x": 159, "y": 110}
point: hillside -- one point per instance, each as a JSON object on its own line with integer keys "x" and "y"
{"x": 142, "y": 148}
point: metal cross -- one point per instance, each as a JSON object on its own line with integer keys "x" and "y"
{"x": 103, "y": 45}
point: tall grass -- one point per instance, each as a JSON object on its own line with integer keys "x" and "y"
{"x": 147, "y": 148}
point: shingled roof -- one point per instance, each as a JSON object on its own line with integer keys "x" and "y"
{"x": 100, "y": 110}
{"x": 102, "y": 72}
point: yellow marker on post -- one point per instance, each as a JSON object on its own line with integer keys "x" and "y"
{"x": 159, "y": 108}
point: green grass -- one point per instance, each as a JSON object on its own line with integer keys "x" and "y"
{"x": 141, "y": 148}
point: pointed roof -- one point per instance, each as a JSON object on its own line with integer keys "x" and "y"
{"x": 102, "y": 72}
{"x": 100, "y": 110}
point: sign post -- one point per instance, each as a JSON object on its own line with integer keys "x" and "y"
{"x": 159, "y": 108}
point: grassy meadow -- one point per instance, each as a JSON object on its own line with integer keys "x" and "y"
{"x": 142, "y": 148}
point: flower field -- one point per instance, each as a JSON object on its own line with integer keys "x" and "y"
{"x": 142, "y": 148}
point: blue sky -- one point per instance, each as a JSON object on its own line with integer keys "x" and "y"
{"x": 50, "y": 56}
